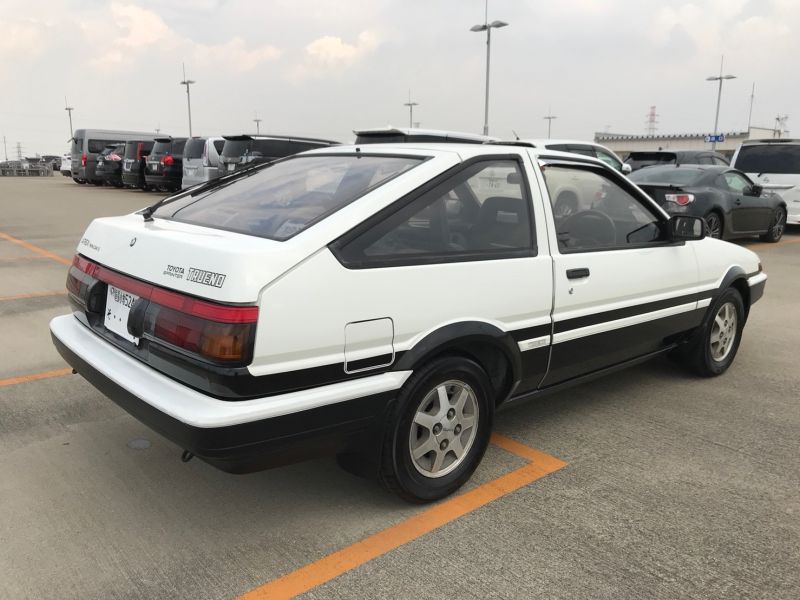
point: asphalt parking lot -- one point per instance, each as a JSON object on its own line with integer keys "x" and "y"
{"x": 649, "y": 484}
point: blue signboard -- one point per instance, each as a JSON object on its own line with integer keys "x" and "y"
{"x": 715, "y": 138}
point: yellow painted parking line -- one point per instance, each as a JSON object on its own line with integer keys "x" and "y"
{"x": 34, "y": 295}
{"x": 378, "y": 544}
{"x": 34, "y": 377}
{"x": 35, "y": 249}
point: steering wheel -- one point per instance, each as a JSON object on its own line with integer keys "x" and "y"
{"x": 591, "y": 226}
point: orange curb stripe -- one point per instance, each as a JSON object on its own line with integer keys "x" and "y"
{"x": 34, "y": 377}
{"x": 378, "y": 544}
{"x": 35, "y": 249}
{"x": 34, "y": 295}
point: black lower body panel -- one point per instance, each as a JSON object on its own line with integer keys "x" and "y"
{"x": 348, "y": 426}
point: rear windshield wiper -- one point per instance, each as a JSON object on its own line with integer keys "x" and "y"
{"x": 218, "y": 182}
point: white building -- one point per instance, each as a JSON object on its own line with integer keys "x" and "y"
{"x": 623, "y": 144}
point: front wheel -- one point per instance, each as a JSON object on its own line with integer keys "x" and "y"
{"x": 714, "y": 225}
{"x": 776, "y": 227}
{"x": 717, "y": 341}
{"x": 439, "y": 430}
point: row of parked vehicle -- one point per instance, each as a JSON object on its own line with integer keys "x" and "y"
{"x": 166, "y": 163}
{"x": 734, "y": 203}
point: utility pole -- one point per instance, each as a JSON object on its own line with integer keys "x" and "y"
{"x": 652, "y": 121}
{"x": 69, "y": 110}
{"x": 719, "y": 78}
{"x": 410, "y": 106}
{"x": 257, "y": 121}
{"x": 187, "y": 83}
{"x": 750, "y": 115}
{"x": 549, "y": 118}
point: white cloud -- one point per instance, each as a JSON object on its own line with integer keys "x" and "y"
{"x": 331, "y": 51}
{"x": 21, "y": 38}
{"x": 235, "y": 55}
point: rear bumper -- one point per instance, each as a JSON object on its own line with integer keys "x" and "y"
{"x": 166, "y": 179}
{"x": 238, "y": 436}
{"x": 133, "y": 179}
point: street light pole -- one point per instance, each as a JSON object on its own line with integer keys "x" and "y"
{"x": 487, "y": 27}
{"x": 187, "y": 83}
{"x": 257, "y": 121}
{"x": 69, "y": 110}
{"x": 549, "y": 118}
{"x": 410, "y": 106}
{"x": 719, "y": 98}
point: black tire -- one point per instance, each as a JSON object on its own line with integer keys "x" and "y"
{"x": 699, "y": 354}
{"x": 714, "y": 225}
{"x": 776, "y": 226}
{"x": 80, "y": 181}
{"x": 399, "y": 472}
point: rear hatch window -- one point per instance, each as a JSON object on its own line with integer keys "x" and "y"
{"x": 646, "y": 159}
{"x": 769, "y": 158}
{"x": 235, "y": 148}
{"x": 668, "y": 175}
{"x": 285, "y": 198}
{"x": 132, "y": 149}
{"x": 194, "y": 148}
{"x": 160, "y": 149}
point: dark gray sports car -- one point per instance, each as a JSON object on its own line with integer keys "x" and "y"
{"x": 731, "y": 204}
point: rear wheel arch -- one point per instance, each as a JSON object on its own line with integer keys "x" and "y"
{"x": 494, "y": 350}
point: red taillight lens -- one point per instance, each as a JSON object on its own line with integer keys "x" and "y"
{"x": 168, "y": 161}
{"x": 217, "y": 332}
{"x": 83, "y": 159}
{"x": 680, "y": 199}
{"x": 139, "y": 148}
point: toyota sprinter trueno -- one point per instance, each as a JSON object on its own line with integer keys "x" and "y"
{"x": 380, "y": 302}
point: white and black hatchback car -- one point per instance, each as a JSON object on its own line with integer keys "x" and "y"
{"x": 381, "y": 302}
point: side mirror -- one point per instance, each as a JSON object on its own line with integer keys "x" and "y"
{"x": 755, "y": 190}
{"x": 626, "y": 169}
{"x": 686, "y": 228}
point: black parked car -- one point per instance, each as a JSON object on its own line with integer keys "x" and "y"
{"x": 164, "y": 170}
{"x": 731, "y": 204}
{"x": 109, "y": 164}
{"x": 240, "y": 151}
{"x": 639, "y": 160}
{"x": 133, "y": 163}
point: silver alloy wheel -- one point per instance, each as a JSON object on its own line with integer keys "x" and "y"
{"x": 443, "y": 428}
{"x": 714, "y": 226}
{"x": 778, "y": 224}
{"x": 723, "y": 332}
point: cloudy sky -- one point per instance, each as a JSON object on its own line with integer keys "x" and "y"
{"x": 323, "y": 68}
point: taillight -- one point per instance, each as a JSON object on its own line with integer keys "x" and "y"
{"x": 139, "y": 148}
{"x": 83, "y": 159}
{"x": 216, "y": 332}
{"x": 168, "y": 161}
{"x": 679, "y": 199}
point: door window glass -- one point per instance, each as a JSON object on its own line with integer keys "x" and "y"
{"x": 482, "y": 210}
{"x": 593, "y": 212}
{"x": 736, "y": 182}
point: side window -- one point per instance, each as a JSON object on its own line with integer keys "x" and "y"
{"x": 593, "y": 212}
{"x": 735, "y": 182}
{"x": 582, "y": 149}
{"x": 481, "y": 212}
{"x": 608, "y": 159}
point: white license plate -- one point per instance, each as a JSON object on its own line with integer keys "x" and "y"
{"x": 231, "y": 166}
{"x": 118, "y": 307}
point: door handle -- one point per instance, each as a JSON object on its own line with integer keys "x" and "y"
{"x": 577, "y": 273}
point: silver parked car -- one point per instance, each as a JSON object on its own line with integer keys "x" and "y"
{"x": 201, "y": 160}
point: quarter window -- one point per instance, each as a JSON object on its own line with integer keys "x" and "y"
{"x": 482, "y": 212}
{"x": 592, "y": 212}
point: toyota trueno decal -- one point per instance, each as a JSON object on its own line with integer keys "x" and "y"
{"x": 205, "y": 277}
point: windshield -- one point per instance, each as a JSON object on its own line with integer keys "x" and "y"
{"x": 284, "y": 199}
{"x": 194, "y": 148}
{"x": 769, "y": 158}
{"x": 673, "y": 175}
{"x": 235, "y": 148}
